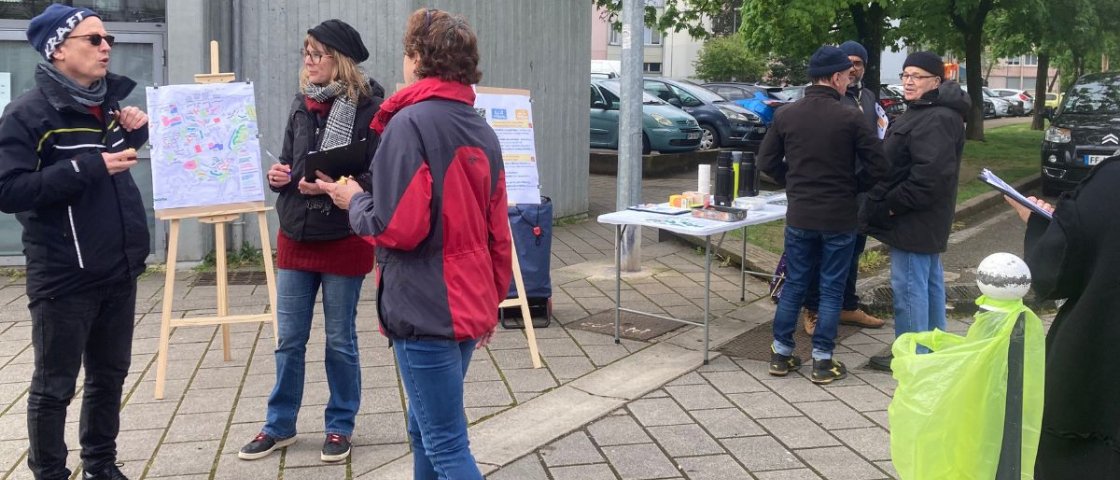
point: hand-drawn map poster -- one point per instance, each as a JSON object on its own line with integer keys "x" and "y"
{"x": 204, "y": 145}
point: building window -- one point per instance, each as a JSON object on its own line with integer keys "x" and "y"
{"x": 147, "y": 11}
{"x": 651, "y": 37}
{"x": 654, "y": 67}
{"x": 1030, "y": 59}
{"x": 1013, "y": 82}
{"x": 1012, "y": 61}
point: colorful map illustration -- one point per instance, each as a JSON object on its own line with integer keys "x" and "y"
{"x": 204, "y": 145}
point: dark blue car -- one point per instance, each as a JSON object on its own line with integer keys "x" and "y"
{"x": 725, "y": 124}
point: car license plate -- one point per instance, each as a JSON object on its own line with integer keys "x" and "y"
{"x": 1094, "y": 159}
{"x": 694, "y": 136}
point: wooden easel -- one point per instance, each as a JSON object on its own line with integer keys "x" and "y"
{"x": 218, "y": 216}
{"x": 522, "y": 301}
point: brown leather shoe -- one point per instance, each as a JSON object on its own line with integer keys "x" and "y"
{"x": 809, "y": 320}
{"x": 860, "y": 318}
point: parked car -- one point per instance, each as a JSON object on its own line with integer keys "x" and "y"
{"x": 1015, "y": 106}
{"x": 892, "y": 102}
{"x": 1000, "y": 107}
{"x": 793, "y": 94}
{"x": 760, "y": 99}
{"x": 1022, "y": 95}
{"x": 1082, "y": 132}
{"x": 1052, "y": 101}
{"x": 665, "y": 128}
{"x": 724, "y": 123}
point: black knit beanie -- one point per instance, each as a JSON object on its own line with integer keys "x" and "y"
{"x": 340, "y": 36}
{"x": 927, "y": 61}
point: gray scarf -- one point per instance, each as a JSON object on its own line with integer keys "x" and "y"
{"x": 340, "y": 120}
{"x": 90, "y": 97}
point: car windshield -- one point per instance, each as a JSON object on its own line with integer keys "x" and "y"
{"x": 705, "y": 95}
{"x": 614, "y": 92}
{"x": 1099, "y": 96}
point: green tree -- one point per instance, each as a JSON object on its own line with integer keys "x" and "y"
{"x": 795, "y": 28}
{"x": 728, "y": 59}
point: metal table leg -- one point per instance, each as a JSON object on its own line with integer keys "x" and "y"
{"x": 707, "y": 290}
{"x": 617, "y": 283}
{"x": 743, "y": 269}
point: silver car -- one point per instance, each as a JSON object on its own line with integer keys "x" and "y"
{"x": 1023, "y": 96}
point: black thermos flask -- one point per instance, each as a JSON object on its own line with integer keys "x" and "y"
{"x": 748, "y": 176}
{"x": 725, "y": 179}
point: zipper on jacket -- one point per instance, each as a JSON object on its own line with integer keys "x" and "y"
{"x": 74, "y": 232}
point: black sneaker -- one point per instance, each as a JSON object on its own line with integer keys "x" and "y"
{"x": 780, "y": 365}
{"x": 335, "y": 448}
{"x": 108, "y": 472}
{"x": 263, "y": 445}
{"x": 881, "y": 362}
{"x": 828, "y": 371}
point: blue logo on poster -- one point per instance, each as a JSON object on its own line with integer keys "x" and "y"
{"x": 498, "y": 113}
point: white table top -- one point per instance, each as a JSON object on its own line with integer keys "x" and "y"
{"x": 688, "y": 225}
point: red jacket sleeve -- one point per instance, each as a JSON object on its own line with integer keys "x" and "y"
{"x": 398, "y": 212}
{"x": 501, "y": 240}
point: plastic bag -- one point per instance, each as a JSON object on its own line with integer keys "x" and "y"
{"x": 947, "y": 414}
{"x": 778, "y": 280}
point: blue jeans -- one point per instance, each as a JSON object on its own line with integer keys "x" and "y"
{"x": 831, "y": 254}
{"x": 851, "y": 300}
{"x": 296, "y": 291}
{"x": 432, "y": 372}
{"x": 918, "y": 284}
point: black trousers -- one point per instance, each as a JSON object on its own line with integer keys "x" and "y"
{"x": 91, "y": 328}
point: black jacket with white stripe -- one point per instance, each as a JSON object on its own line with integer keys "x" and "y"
{"x": 82, "y": 228}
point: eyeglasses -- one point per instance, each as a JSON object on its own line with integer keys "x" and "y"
{"x": 316, "y": 57}
{"x": 906, "y": 76}
{"x": 95, "y": 39}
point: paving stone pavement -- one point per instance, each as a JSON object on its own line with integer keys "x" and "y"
{"x": 724, "y": 420}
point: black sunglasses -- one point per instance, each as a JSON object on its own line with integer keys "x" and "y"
{"x": 96, "y": 38}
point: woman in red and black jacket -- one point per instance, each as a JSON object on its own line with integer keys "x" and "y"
{"x": 315, "y": 248}
{"x": 438, "y": 215}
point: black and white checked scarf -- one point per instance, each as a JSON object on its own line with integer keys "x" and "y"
{"x": 340, "y": 120}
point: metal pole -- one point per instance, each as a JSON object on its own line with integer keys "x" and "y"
{"x": 629, "y": 190}
{"x": 1011, "y": 453}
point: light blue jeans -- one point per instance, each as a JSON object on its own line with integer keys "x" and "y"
{"x": 918, "y": 284}
{"x": 296, "y": 291}
{"x": 432, "y": 372}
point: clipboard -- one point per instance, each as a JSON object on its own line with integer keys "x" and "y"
{"x": 997, "y": 183}
{"x": 337, "y": 162}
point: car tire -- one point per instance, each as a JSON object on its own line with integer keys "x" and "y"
{"x": 710, "y": 138}
{"x": 645, "y": 144}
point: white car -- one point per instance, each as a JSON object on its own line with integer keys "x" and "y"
{"x": 1001, "y": 106}
{"x": 1023, "y": 96}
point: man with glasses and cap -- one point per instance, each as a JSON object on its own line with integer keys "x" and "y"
{"x": 66, "y": 147}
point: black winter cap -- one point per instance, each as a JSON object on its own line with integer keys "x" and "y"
{"x": 340, "y": 36}
{"x": 928, "y": 61}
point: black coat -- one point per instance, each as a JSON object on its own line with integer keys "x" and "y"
{"x": 912, "y": 209}
{"x": 82, "y": 228}
{"x": 1076, "y": 256}
{"x": 315, "y": 218}
{"x": 811, "y": 149}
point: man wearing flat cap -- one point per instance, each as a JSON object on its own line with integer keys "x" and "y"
{"x": 820, "y": 140}
{"x": 66, "y": 147}
{"x": 867, "y": 102}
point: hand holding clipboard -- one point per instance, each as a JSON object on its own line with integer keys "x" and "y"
{"x": 994, "y": 181}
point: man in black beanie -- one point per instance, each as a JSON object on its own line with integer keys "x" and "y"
{"x": 868, "y": 104}
{"x": 912, "y": 210}
{"x": 66, "y": 147}
{"x": 820, "y": 140}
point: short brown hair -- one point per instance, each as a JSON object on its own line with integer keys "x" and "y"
{"x": 443, "y": 45}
